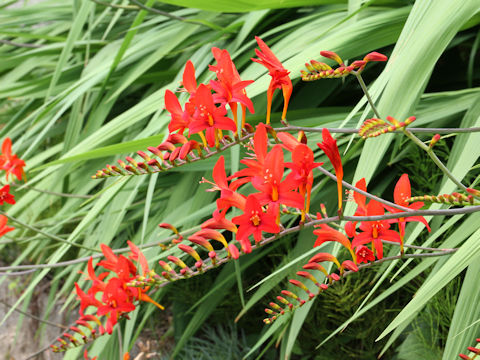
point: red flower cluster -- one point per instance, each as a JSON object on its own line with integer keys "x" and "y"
{"x": 265, "y": 170}
{"x": 12, "y": 165}
{"x": 112, "y": 293}
{"x": 201, "y": 112}
{"x": 373, "y": 232}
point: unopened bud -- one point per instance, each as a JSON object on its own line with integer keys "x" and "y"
{"x": 332, "y": 55}
{"x": 434, "y": 140}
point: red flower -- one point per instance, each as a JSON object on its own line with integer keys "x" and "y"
{"x": 229, "y": 88}
{"x": 10, "y": 162}
{"x": 228, "y": 196}
{"x": 117, "y": 296}
{"x": 5, "y": 195}
{"x": 3, "y": 226}
{"x": 401, "y": 193}
{"x": 189, "y": 82}
{"x": 274, "y": 191}
{"x": 209, "y": 117}
{"x": 361, "y": 200}
{"x": 302, "y": 165}
{"x": 180, "y": 118}
{"x": 375, "y": 231}
{"x": 330, "y": 148}
{"x": 256, "y": 163}
{"x": 218, "y": 221}
{"x": 280, "y": 78}
{"x": 364, "y": 254}
{"x": 327, "y": 233}
{"x": 254, "y": 221}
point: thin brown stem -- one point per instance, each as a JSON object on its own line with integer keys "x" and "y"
{"x": 44, "y": 233}
{"x": 115, "y": 6}
{"x": 60, "y": 326}
{"x": 23, "y": 45}
{"x": 264, "y": 241}
{"x": 355, "y": 131}
{"x": 52, "y": 192}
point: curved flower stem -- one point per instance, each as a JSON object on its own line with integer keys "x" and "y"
{"x": 436, "y": 160}
{"x": 414, "y": 246}
{"x": 51, "y": 236}
{"x": 355, "y": 130}
{"x": 36, "y": 318}
{"x": 34, "y": 355}
{"x": 415, "y": 139}
{"x": 52, "y": 192}
{"x": 404, "y": 256}
{"x": 367, "y": 94}
{"x": 30, "y": 268}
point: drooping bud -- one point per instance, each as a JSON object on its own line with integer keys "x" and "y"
{"x": 168, "y": 226}
{"x": 178, "y": 262}
{"x": 308, "y": 276}
{"x": 434, "y": 140}
{"x": 315, "y": 266}
{"x": 375, "y": 56}
{"x": 190, "y": 251}
{"x": 349, "y": 265}
{"x": 332, "y": 55}
{"x": 233, "y": 251}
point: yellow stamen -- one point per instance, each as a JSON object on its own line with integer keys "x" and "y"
{"x": 202, "y": 136}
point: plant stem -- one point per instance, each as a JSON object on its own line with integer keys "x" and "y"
{"x": 367, "y": 94}
{"x": 435, "y": 159}
{"x": 415, "y": 139}
{"x": 51, "y": 236}
{"x": 52, "y": 192}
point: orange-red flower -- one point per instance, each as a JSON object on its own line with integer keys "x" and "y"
{"x": 209, "y": 117}
{"x": 330, "y": 148}
{"x": 5, "y": 195}
{"x": 280, "y": 78}
{"x": 228, "y": 196}
{"x": 326, "y": 233}
{"x": 302, "y": 165}
{"x": 117, "y": 296}
{"x": 256, "y": 163}
{"x": 10, "y": 162}
{"x": 3, "y": 226}
{"x": 274, "y": 191}
{"x": 364, "y": 254}
{"x": 375, "y": 231}
{"x": 229, "y": 89}
{"x": 254, "y": 220}
{"x": 401, "y": 193}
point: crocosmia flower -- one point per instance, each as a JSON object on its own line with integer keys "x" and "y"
{"x": 10, "y": 162}
{"x": 5, "y": 195}
{"x": 254, "y": 221}
{"x": 280, "y": 78}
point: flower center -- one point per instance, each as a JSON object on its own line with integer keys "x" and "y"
{"x": 255, "y": 219}
{"x": 210, "y": 120}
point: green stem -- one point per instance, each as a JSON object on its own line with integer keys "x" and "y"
{"x": 415, "y": 139}
{"x": 365, "y": 91}
{"x": 435, "y": 159}
{"x": 51, "y": 236}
